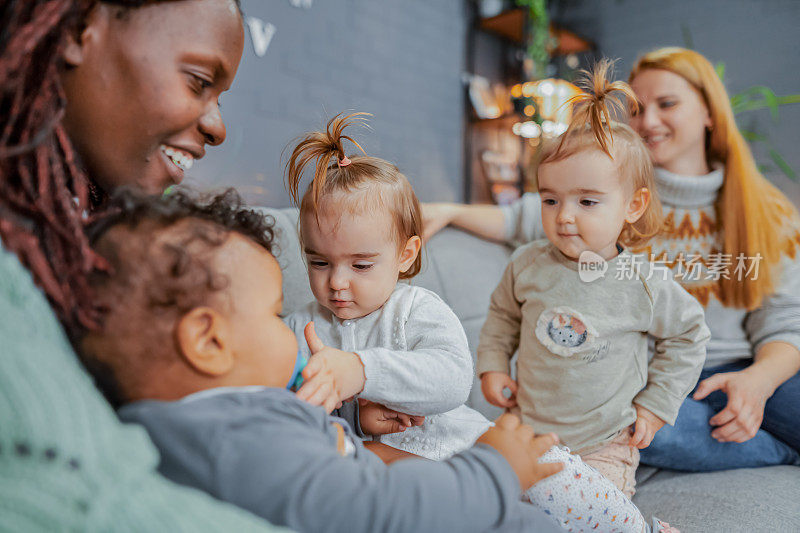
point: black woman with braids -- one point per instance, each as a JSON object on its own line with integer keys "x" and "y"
{"x": 93, "y": 95}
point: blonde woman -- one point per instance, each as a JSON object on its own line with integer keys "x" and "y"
{"x": 732, "y": 240}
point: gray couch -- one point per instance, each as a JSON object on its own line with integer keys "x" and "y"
{"x": 464, "y": 270}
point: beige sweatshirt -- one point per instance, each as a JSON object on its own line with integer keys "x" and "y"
{"x": 690, "y": 231}
{"x": 583, "y": 359}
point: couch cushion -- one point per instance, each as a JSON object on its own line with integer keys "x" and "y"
{"x": 296, "y": 290}
{"x": 747, "y": 500}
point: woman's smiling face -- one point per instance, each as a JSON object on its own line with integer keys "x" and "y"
{"x": 672, "y": 120}
{"x": 143, "y": 86}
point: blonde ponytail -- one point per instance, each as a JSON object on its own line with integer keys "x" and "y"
{"x": 594, "y": 106}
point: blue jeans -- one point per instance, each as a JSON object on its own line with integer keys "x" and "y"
{"x": 688, "y": 444}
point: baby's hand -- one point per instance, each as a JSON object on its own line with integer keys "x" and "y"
{"x": 493, "y": 384}
{"x": 647, "y": 424}
{"x": 331, "y": 375}
{"x": 375, "y": 419}
{"x": 522, "y": 449}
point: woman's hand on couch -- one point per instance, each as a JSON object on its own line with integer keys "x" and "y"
{"x": 747, "y": 395}
{"x": 748, "y": 390}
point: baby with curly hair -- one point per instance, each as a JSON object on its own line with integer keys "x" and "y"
{"x": 193, "y": 348}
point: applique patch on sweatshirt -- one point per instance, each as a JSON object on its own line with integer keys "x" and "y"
{"x": 566, "y": 332}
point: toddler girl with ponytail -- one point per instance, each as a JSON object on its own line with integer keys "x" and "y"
{"x": 392, "y": 344}
{"x": 579, "y": 307}
{"x": 399, "y": 348}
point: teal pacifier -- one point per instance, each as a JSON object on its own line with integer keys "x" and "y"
{"x": 297, "y": 377}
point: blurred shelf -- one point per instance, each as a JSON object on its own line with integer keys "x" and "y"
{"x": 569, "y": 42}
{"x": 510, "y": 24}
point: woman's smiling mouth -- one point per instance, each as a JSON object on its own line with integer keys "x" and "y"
{"x": 653, "y": 140}
{"x": 181, "y": 159}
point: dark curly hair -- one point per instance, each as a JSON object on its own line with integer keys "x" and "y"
{"x": 163, "y": 266}
{"x": 44, "y": 191}
{"x": 224, "y": 209}
{"x": 185, "y": 279}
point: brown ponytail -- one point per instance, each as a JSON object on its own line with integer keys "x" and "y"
{"x": 358, "y": 181}
{"x": 321, "y": 146}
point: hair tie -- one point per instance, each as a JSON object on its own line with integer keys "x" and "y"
{"x": 343, "y": 162}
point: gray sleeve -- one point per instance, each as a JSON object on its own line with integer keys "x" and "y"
{"x": 523, "y": 220}
{"x": 778, "y": 318}
{"x": 290, "y": 474}
{"x": 350, "y": 413}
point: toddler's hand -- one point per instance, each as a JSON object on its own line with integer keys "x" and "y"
{"x": 375, "y": 419}
{"x": 331, "y": 375}
{"x": 647, "y": 424}
{"x": 492, "y": 386}
{"x": 522, "y": 449}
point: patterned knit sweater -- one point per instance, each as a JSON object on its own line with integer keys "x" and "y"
{"x": 691, "y": 247}
{"x": 66, "y": 462}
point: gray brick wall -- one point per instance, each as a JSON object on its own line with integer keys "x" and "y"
{"x": 400, "y": 60}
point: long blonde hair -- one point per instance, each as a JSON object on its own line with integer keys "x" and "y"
{"x": 592, "y": 127}
{"x": 359, "y": 181}
{"x": 756, "y": 218}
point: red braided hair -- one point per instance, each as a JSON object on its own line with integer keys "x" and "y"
{"x": 43, "y": 191}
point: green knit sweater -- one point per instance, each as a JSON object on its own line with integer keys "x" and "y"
{"x": 66, "y": 462}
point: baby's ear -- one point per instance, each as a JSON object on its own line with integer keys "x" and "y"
{"x": 410, "y": 252}
{"x": 204, "y": 341}
{"x": 637, "y": 205}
